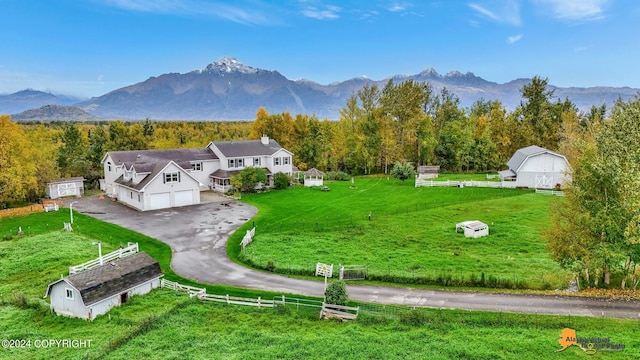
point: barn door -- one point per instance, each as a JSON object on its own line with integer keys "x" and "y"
{"x": 543, "y": 181}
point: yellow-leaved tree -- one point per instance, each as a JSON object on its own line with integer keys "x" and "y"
{"x": 17, "y": 168}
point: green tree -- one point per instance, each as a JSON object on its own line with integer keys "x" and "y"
{"x": 403, "y": 171}
{"x": 595, "y": 230}
{"x": 248, "y": 179}
{"x": 336, "y": 293}
{"x": 72, "y": 153}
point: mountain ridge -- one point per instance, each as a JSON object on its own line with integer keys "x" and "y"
{"x": 230, "y": 90}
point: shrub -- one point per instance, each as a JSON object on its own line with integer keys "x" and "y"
{"x": 280, "y": 181}
{"x": 271, "y": 266}
{"x": 337, "y": 175}
{"x": 336, "y": 293}
{"x": 413, "y": 318}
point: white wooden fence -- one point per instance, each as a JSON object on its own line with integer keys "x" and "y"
{"x": 339, "y": 312}
{"x": 201, "y": 293}
{"x": 248, "y": 237}
{"x": 131, "y": 249}
{"x": 489, "y": 184}
{"x": 550, "y": 192}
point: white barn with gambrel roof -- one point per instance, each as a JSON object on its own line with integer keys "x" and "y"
{"x": 537, "y": 167}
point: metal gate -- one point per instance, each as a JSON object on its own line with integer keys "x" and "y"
{"x": 353, "y": 272}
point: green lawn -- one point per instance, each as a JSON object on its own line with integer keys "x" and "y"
{"x": 410, "y": 236}
{"x": 165, "y": 324}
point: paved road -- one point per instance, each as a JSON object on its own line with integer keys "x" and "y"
{"x": 198, "y": 234}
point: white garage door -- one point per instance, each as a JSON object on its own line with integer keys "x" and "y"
{"x": 160, "y": 201}
{"x": 184, "y": 197}
{"x": 68, "y": 189}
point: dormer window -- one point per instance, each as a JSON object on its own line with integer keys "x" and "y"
{"x": 196, "y": 166}
{"x": 171, "y": 177}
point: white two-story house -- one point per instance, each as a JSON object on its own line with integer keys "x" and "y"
{"x": 158, "y": 179}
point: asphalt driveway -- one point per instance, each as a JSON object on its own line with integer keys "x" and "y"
{"x": 198, "y": 235}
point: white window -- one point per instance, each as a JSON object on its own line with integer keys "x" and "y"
{"x": 276, "y": 161}
{"x": 256, "y": 161}
{"x": 240, "y": 163}
{"x": 171, "y": 177}
{"x": 196, "y": 166}
{"x": 232, "y": 163}
{"x": 285, "y": 160}
{"x": 68, "y": 293}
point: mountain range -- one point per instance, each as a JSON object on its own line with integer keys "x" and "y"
{"x": 229, "y": 90}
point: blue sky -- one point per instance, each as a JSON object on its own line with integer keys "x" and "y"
{"x": 90, "y": 47}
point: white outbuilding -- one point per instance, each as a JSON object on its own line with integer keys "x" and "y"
{"x": 313, "y": 177}
{"x": 537, "y": 168}
{"x": 474, "y": 228}
{"x": 93, "y": 292}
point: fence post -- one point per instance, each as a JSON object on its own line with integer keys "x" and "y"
{"x": 227, "y": 298}
{"x": 258, "y": 302}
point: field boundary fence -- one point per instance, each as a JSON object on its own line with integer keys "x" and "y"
{"x": 466, "y": 183}
{"x": 280, "y": 300}
{"x": 132, "y": 248}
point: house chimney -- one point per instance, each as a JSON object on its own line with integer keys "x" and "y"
{"x": 264, "y": 140}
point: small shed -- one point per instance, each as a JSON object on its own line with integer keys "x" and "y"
{"x": 93, "y": 292}
{"x": 474, "y": 228}
{"x": 428, "y": 171}
{"x": 65, "y": 187}
{"x": 313, "y": 177}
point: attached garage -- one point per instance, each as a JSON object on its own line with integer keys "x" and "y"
{"x": 160, "y": 201}
{"x": 183, "y": 198}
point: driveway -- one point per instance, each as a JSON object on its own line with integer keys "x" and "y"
{"x": 198, "y": 235}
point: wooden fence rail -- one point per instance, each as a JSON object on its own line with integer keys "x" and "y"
{"x": 131, "y": 249}
{"x": 201, "y": 293}
{"x": 470, "y": 183}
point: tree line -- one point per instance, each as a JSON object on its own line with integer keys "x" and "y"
{"x": 410, "y": 122}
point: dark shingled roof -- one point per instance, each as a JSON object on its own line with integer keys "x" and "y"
{"x": 179, "y": 156}
{"x": 227, "y": 174}
{"x": 114, "y": 277}
{"x": 313, "y": 172}
{"x": 232, "y": 149}
{"x": 152, "y": 167}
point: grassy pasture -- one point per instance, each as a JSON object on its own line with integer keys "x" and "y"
{"x": 165, "y": 324}
{"x": 410, "y": 236}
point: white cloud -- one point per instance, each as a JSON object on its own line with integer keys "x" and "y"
{"x": 396, "y": 7}
{"x": 514, "y": 38}
{"x": 581, "y": 10}
{"x": 329, "y": 12}
{"x": 505, "y": 12}
{"x": 235, "y": 14}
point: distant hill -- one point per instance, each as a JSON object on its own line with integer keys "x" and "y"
{"x": 229, "y": 90}
{"x": 31, "y": 99}
{"x": 55, "y": 112}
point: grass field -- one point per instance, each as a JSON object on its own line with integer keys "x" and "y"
{"x": 165, "y": 324}
{"x": 405, "y": 234}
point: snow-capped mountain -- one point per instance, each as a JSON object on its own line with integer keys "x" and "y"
{"x": 229, "y": 90}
